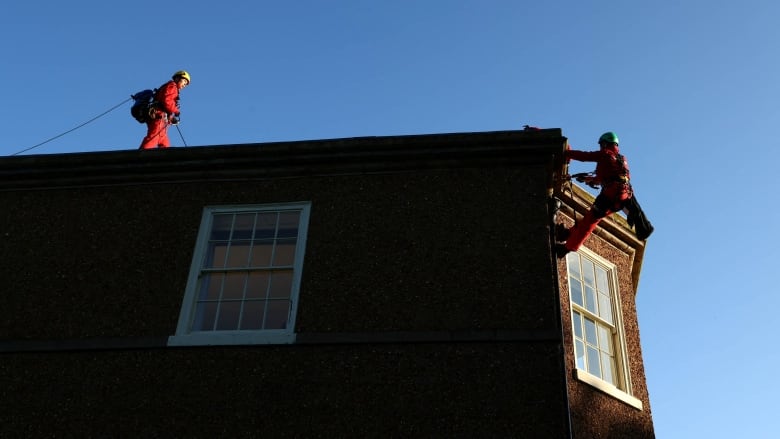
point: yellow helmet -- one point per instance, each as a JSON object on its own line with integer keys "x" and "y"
{"x": 182, "y": 74}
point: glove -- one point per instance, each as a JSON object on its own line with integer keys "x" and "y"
{"x": 174, "y": 120}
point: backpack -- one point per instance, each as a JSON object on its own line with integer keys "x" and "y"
{"x": 636, "y": 218}
{"x": 142, "y": 103}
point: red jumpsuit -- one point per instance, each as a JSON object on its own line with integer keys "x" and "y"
{"x": 167, "y": 104}
{"x": 613, "y": 176}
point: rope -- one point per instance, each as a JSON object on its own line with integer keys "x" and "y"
{"x": 74, "y": 129}
{"x": 180, "y": 135}
{"x": 574, "y": 201}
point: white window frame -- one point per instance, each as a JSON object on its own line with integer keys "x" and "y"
{"x": 185, "y": 336}
{"x": 622, "y": 388}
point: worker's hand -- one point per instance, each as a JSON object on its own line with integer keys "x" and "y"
{"x": 174, "y": 120}
{"x": 590, "y": 180}
{"x": 176, "y": 114}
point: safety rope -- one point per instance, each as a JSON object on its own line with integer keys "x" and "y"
{"x": 74, "y": 129}
{"x": 180, "y": 135}
{"x": 573, "y": 199}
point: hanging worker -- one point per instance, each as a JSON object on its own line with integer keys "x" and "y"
{"x": 615, "y": 180}
{"x": 164, "y": 111}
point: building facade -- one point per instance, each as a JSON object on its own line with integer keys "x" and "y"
{"x": 368, "y": 287}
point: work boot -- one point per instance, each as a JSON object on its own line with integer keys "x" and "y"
{"x": 561, "y": 250}
{"x": 561, "y": 233}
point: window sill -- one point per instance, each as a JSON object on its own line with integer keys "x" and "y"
{"x": 227, "y": 338}
{"x": 608, "y": 388}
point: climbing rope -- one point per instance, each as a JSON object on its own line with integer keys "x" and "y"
{"x": 180, "y": 135}
{"x": 74, "y": 129}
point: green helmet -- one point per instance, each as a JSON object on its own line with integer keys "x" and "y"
{"x": 609, "y": 137}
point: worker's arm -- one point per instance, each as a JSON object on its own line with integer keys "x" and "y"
{"x": 583, "y": 156}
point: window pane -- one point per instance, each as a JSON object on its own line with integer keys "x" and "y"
{"x": 243, "y": 227}
{"x": 261, "y": 253}
{"x": 285, "y": 252}
{"x": 608, "y": 367}
{"x": 220, "y": 227}
{"x": 281, "y": 284}
{"x": 605, "y": 339}
{"x": 590, "y": 332}
{"x": 587, "y": 273}
{"x": 278, "y": 310}
{"x": 593, "y": 362}
{"x": 288, "y": 224}
{"x": 601, "y": 279}
{"x": 234, "y": 286}
{"x": 211, "y": 286}
{"x": 257, "y": 286}
{"x": 252, "y": 317}
{"x": 576, "y": 291}
{"x": 573, "y": 262}
{"x": 228, "y": 316}
{"x": 577, "y": 325}
{"x": 238, "y": 254}
{"x": 265, "y": 228}
{"x": 590, "y": 299}
{"x": 215, "y": 256}
{"x": 579, "y": 353}
{"x": 205, "y": 314}
{"x": 605, "y": 308}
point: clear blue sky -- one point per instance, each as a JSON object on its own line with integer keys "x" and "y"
{"x": 689, "y": 86}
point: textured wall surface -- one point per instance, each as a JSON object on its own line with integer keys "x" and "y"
{"x": 428, "y": 303}
{"x": 420, "y": 390}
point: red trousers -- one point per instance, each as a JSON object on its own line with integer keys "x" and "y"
{"x": 610, "y": 200}
{"x": 156, "y": 134}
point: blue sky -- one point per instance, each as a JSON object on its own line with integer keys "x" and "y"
{"x": 689, "y": 86}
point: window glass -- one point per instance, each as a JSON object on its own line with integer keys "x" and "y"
{"x": 594, "y": 366}
{"x": 590, "y": 298}
{"x": 221, "y": 227}
{"x": 605, "y": 307}
{"x": 590, "y": 332}
{"x": 285, "y": 252}
{"x": 579, "y": 352}
{"x": 573, "y": 262}
{"x": 588, "y": 275}
{"x": 576, "y": 291}
{"x": 257, "y": 285}
{"x": 243, "y": 227}
{"x": 601, "y": 279}
{"x": 238, "y": 254}
{"x": 261, "y": 253}
{"x": 577, "y": 325}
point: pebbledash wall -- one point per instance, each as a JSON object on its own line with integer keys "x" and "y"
{"x": 423, "y": 299}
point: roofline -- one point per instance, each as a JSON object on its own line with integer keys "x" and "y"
{"x": 355, "y": 155}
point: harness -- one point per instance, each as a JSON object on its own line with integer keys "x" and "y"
{"x": 622, "y": 175}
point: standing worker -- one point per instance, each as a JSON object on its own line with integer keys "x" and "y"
{"x": 164, "y": 111}
{"x": 615, "y": 180}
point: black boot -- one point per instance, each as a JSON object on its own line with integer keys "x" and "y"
{"x": 561, "y": 250}
{"x": 561, "y": 233}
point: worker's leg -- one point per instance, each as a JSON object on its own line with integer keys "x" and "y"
{"x": 164, "y": 142}
{"x": 155, "y": 134}
{"x": 584, "y": 227}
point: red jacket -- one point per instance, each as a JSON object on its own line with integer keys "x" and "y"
{"x": 610, "y": 165}
{"x": 167, "y": 98}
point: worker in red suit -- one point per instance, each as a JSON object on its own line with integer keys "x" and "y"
{"x": 164, "y": 112}
{"x": 615, "y": 180}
